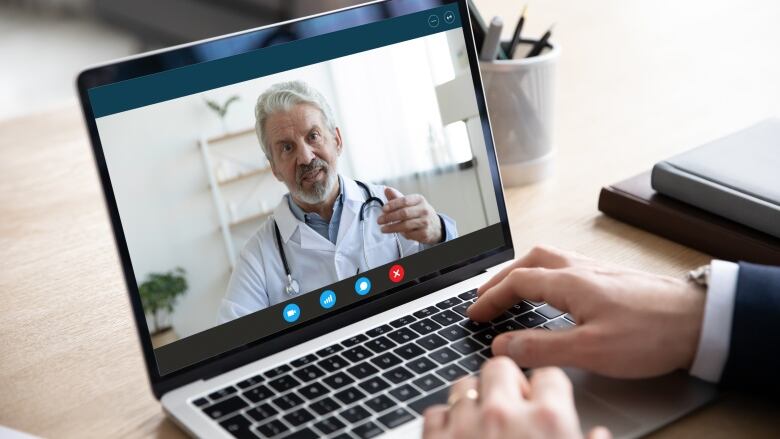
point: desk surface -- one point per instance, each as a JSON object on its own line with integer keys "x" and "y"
{"x": 638, "y": 81}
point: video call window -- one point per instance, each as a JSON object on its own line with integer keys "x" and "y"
{"x": 206, "y": 194}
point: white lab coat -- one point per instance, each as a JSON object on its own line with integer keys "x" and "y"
{"x": 259, "y": 279}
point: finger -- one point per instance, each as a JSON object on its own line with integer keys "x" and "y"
{"x": 402, "y": 213}
{"x": 392, "y": 193}
{"x": 530, "y": 348}
{"x": 461, "y": 406}
{"x": 536, "y": 284}
{"x": 539, "y": 256}
{"x": 404, "y": 226}
{"x": 551, "y": 388}
{"x": 403, "y": 201}
{"x": 599, "y": 433}
{"x": 435, "y": 418}
{"x": 500, "y": 383}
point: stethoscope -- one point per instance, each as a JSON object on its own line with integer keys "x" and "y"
{"x": 293, "y": 287}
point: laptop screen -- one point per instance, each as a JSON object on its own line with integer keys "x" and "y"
{"x": 322, "y": 164}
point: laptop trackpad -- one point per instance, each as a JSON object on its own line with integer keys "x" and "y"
{"x": 594, "y": 413}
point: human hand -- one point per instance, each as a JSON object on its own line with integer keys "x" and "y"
{"x": 502, "y": 403}
{"x": 630, "y": 324}
{"x": 411, "y": 216}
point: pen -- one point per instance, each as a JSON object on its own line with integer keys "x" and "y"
{"x": 539, "y": 46}
{"x": 516, "y": 34}
{"x": 492, "y": 39}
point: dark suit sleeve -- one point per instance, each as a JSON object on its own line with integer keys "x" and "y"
{"x": 754, "y": 352}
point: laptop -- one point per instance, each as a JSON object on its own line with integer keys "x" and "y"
{"x": 345, "y": 331}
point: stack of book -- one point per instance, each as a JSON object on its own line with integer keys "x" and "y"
{"x": 722, "y": 198}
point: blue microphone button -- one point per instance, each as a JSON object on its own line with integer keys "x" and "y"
{"x": 363, "y": 286}
{"x": 327, "y": 299}
{"x": 291, "y": 313}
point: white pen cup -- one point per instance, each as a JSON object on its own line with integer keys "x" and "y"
{"x": 520, "y": 95}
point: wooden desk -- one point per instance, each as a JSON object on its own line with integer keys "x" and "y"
{"x": 638, "y": 81}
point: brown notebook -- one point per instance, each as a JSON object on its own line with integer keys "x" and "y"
{"x": 634, "y": 201}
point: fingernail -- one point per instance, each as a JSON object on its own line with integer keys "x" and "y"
{"x": 500, "y": 345}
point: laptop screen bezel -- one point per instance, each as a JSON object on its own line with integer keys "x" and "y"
{"x": 220, "y": 47}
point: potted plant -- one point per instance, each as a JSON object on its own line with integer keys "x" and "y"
{"x": 158, "y": 294}
{"x": 221, "y": 109}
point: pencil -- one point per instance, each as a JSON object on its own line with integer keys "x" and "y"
{"x": 516, "y": 34}
{"x": 539, "y": 46}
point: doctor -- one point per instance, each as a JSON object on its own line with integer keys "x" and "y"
{"x": 328, "y": 227}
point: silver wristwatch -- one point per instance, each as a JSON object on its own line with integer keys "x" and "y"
{"x": 700, "y": 276}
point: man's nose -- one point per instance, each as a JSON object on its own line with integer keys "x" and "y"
{"x": 305, "y": 154}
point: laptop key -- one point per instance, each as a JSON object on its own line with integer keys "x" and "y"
{"x": 350, "y": 395}
{"x": 284, "y": 383}
{"x": 466, "y": 346}
{"x": 421, "y": 365}
{"x": 225, "y": 407}
{"x": 221, "y": 393}
{"x": 404, "y": 393}
{"x": 259, "y": 393}
{"x": 380, "y": 344}
{"x": 409, "y": 351}
{"x": 374, "y": 385}
{"x": 468, "y": 295}
{"x": 531, "y": 302}
{"x": 354, "y": 414}
{"x": 324, "y": 406}
{"x": 530, "y": 319}
{"x": 362, "y": 370}
{"x": 428, "y": 382}
{"x": 303, "y": 361}
{"x": 507, "y": 326}
{"x": 298, "y": 417}
{"x": 486, "y": 337}
{"x": 395, "y": 418}
{"x": 487, "y": 352}
{"x": 451, "y": 372}
{"x": 549, "y": 311}
{"x": 444, "y": 355}
{"x": 386, "y": 360}
{"x": 313, "y": 391}
{"x": 473, "y": 326}
{"x": 503, "y": 316}
{"x": 403, "y": 335}
{"x": 249, "y": 382}
{"x": 200, "y": 402}
{"x": 330, "y": 350}
{"x": 329, "y": 425}
{"x": 338, "y": 380}
{"x": 380, "y": 403}
{"x": 438, "y": 397}
{"x": 333, "y": 363}
{"x": 431, "y": 342}
{"x": 309, "y": 373}
{"x": 262, "y": 412}
{"x": 446, "y": 318}
{"x": 472, "y": 363}
{"x": 276, "y": 371}
{"x": 305, "y": 433}
{"x": 238, "y": 426}
{"x": 272, "y": 428}
{"x": 570, "y": 318}
{"x": 558, "y": 324}
{"x": 379, "y": 330}
{"x": 288, "y": 401}
{"x": 520, "y": 308}
{"x": 367, "y": 430}
{"x": 449, "y": 303}
{"x": 352, "y": 341}
{"x": 462, "y": 308}
{"x": 425, "y": 326}
{"x": 454, "y": 332}
{"x": 403, "y": 321}
{"x": 357, "y": 354}
{"x": 398, "y": 375}
{"x": 425, "y": 312}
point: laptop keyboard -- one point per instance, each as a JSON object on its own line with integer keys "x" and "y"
{"x": 371, "y": 382}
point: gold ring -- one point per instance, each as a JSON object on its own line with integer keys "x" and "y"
{"x": 470, "y": 394}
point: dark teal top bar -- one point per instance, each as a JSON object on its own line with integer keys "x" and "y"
{"x": 183, "y": 81}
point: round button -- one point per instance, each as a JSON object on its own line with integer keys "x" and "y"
{"x": 363, "y": 286}
{"x": 291, "y": 313}
{"x": 327, "y": 299}
{"x": 433, "y": 21}
{"x": 449, "y": 17}
{"x": 396, "y": 273}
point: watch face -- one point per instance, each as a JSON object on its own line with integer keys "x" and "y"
{"x": 700, "y": 275}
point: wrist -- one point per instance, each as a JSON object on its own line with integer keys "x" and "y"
{"x": 695, "y": 298}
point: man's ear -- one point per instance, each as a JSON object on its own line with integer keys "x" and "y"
{"x": 339, "y": 144}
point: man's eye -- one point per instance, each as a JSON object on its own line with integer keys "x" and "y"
{"x": 314, "y": 136}
{"x": 287, "y": 147}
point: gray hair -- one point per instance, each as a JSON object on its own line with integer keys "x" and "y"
{"x": 283, "y": 96}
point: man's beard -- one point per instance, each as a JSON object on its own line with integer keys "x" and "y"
{"x": 319, "y": 189}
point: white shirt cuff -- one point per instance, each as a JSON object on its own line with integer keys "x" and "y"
{"x": 713, "y": 350}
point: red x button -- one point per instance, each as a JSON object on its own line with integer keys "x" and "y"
{"x": 396, "y": 273}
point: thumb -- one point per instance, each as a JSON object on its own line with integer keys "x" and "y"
{"x": 538, "y": 348}
{"x": 392, "y": 193}
{"x": 599, "y": 433}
